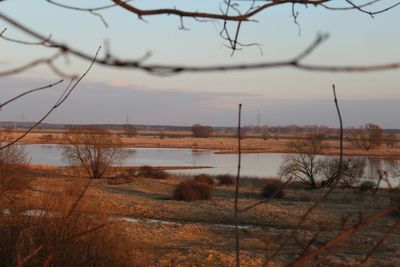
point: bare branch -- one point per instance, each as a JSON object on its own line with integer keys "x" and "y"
{"x": 236, "y": 209}
{"x": 42, "y": 42}
{"x": 29, "y": 92}
{"x": 370, "y": 12}
{"x": 68, "y": 90}
{"x": 344, "y": 234}
{"x": 176, "y": 69}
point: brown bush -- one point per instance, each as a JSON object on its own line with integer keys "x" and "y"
{"x": 273, "y": 188}
{"x": 153, "y": 173}
{"x": 69, "y": 238}
{"x": 12, "y": 163}
{"x": 204, "y": 179}
{"x": 367, "y": 186}
{"x": 192, "y": 190}
{"x": 396, "y": 200}
{"x": 225, "y": 179}
{"x": 200, "y": 131}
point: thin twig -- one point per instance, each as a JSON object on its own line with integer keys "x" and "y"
{"x": 344, "y": 234}
{"x": 323, "y": 197}
{"x": 236, "y": 213}
{"x": 29, "y": 92}
{"x": 59, "y": 102}
{"x": 165, "y": 69}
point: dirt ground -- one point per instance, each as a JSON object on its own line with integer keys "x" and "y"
{"x": 164, "y": 232}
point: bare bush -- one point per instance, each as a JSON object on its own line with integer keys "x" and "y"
{"x": 367, "y": 186}
{"x": 56, "y": 238}
{"x": 302, "y": 164}
{"x": 225, "y": 179}
{"x": 351, "y": 171}
{"x": 273, "y": 188}
{"x": 370, "y": 136}
{"x": 204, "y": 179}
{"x": 93, "y": 149}
{"x": 162, "y": 135}
{"x": 265, "y": 135}
{"x": 191, "y": 191}
{"x": 12, "y": 159}
{"x": 200, "y": 131}
{"x": 153, "y": 173}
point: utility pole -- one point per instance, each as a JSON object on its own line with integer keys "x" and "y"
{"x": 127, "y": 119}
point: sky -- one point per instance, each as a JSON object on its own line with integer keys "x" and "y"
{"x": 281, "y": 96}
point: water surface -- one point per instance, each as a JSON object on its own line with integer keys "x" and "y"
{"x": 259, "y": 164}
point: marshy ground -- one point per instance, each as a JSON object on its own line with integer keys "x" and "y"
{"x": 200, "y": 233}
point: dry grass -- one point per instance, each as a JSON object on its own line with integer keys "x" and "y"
{"x": 226, "y": 144}
{"x": 197, "y": 235}
{"x": 63, "y": 236}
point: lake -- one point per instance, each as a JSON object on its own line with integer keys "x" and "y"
{"x": 259, "y": 164}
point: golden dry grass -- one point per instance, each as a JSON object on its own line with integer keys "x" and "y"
{"x": 223, "y": 144}
{"x": 200, "y": 233}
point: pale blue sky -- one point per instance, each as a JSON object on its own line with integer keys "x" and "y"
{"x": 355, "y": 38}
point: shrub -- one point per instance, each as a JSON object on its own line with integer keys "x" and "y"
{"x": 225, "y": 179}
{"x": 200, "y": 131}
{"x": 273, "y": 187}
{"x": 367, "y": 186}
{"x": 150, "y": 172}
{"x": 12, "y": 161}
{"x": 192, "y": 190}
{"x": 396, "y": 200}
{"x": 204, "y": 179}
{"x": 162, "y": 135}
{"x": 80, "y": 239}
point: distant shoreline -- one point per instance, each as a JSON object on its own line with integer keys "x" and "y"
{"x": 220, "y": 145}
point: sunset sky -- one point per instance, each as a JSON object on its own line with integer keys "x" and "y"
{"x": 281, "y": 96}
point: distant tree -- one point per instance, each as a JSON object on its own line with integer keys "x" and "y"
{"x": 162, "y": 135}
{"x": 368, "y": 137}
{"x": 265, "y": 135}
{"x": 130, "y": 130}
{"x": 200, "y": 131}
{"x": 352, "y": 170}
{"x": 93, "y": 149}
{"x": 391, "y": 139}
{"x": 302, "y": 164}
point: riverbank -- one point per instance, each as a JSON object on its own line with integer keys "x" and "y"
{"x": 195, "y": 232}
{"x": 221, "y": 145}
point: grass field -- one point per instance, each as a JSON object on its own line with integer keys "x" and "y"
{"x": 165, "y": 232}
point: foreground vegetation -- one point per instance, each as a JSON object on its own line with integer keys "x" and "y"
{"x": 141, "y": 223}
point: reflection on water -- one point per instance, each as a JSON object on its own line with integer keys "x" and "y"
{"x": 262, "y": 164}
